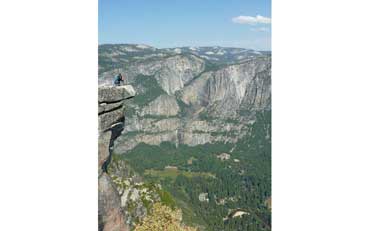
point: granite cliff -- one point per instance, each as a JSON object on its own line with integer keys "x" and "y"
{"x": 111, "y": 124}
{"x": 124, "y": 199}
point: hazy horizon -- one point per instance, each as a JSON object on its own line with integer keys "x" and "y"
{"x": 124, "y": 43}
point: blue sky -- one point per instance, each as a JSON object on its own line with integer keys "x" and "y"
{"x": 172, "y": 23}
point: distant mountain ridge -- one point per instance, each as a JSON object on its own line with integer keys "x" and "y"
{"x": 112, "y": 56}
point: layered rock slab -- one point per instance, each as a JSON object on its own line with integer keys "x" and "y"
{"x": 111, "y": 124}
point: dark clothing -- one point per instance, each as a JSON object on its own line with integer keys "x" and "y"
{"x": 117, "y": 80}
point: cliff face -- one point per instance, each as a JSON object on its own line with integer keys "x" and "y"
{"x": 217, "y": 106}
{"x": 221, "y": 92}
{"x": 111, "y": 124}
{"x": 123, "y": 196}
{"x": 164, "y": 105}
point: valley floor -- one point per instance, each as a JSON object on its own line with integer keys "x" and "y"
{"x": 217, "y": 186}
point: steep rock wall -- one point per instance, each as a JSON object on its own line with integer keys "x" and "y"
{"x": 217, "y": 106}
{"x": 111, "y": 124}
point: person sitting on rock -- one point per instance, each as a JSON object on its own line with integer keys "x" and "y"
{"x": 118, "y": 80}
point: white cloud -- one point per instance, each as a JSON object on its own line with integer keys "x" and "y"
{"x": 251, "y": 20}
{"x": 260, "y": 29}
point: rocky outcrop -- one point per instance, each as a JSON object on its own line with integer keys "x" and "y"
{"x": 135, "y": 195}
{"x": 123, "y": 196}
{"x": 111, "y": 216}
{"x": 111, "y": 124}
